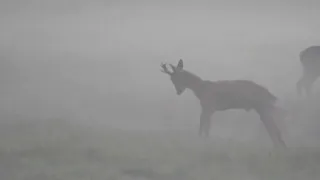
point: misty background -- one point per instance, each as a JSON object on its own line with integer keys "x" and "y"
{"x": 82, "y": 95}
{"x": 97, "y": 62}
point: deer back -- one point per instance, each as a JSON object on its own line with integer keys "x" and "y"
{"x": 238, "y": 94}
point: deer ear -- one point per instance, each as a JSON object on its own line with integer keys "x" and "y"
{"x": 180, "y": 65}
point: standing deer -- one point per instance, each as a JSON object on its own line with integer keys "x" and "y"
{"x": 310, "y": 61}
{"x": 228, "y": 94}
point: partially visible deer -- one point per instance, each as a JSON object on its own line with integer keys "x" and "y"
{"x": 310, "y": 61}
{"x": 228, "y": 94}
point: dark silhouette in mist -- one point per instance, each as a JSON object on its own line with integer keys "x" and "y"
{"x": 227, "y": 94}
{"x": 310, "y": 61}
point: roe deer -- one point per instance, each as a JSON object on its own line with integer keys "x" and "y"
{"x": 310, "y": 61}
{"x": 228, "y": 94}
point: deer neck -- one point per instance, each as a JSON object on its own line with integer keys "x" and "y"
{"x": 195, "y": 84}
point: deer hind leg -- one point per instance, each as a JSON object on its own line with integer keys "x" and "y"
{"x": 306, "y": 82}
{"x": 300, "y": 86}
{"x": 280, "y": 115}
{"x": 271, "y": 127}
{"x": 308, "y": 87}
{"x": 205, "y": 123}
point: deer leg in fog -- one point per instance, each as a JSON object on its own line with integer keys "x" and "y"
{"x": 205, "y": 122}
{"x": 300, "y": 86}
{"x": 308, "y": 87}
{"x": 207, "y": 127}
{"x": 279, "y": 114}
{"x": 271, "y": 127}
{"x": 304, "y": 86}
{"x": 306, "y": 82}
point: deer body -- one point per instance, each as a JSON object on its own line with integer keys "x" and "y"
{"x": 227, "y": 94}
{"x": 234, "y": 94}
{"x": 310, "y": 61}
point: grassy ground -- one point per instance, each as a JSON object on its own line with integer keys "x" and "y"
{"x": 59, "y": 150}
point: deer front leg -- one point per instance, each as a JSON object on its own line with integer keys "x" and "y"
{"x": 306, "y": 82}
{"x": 300, "y": 87}
{"x": 308, "y": 88}
{"x": 205, "y": 122}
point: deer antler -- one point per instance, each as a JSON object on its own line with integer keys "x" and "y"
{"x": 173, "y": 67}
{"x": 165, "y": 69}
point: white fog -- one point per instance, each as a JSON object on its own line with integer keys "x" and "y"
{"x": 83, "y": 77}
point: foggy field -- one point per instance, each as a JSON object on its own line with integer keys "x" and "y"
{"x": 60, "y": 150}
{"x": 82, "y": 96}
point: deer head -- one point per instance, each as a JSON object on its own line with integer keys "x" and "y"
{"x": 176, "y": 76}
